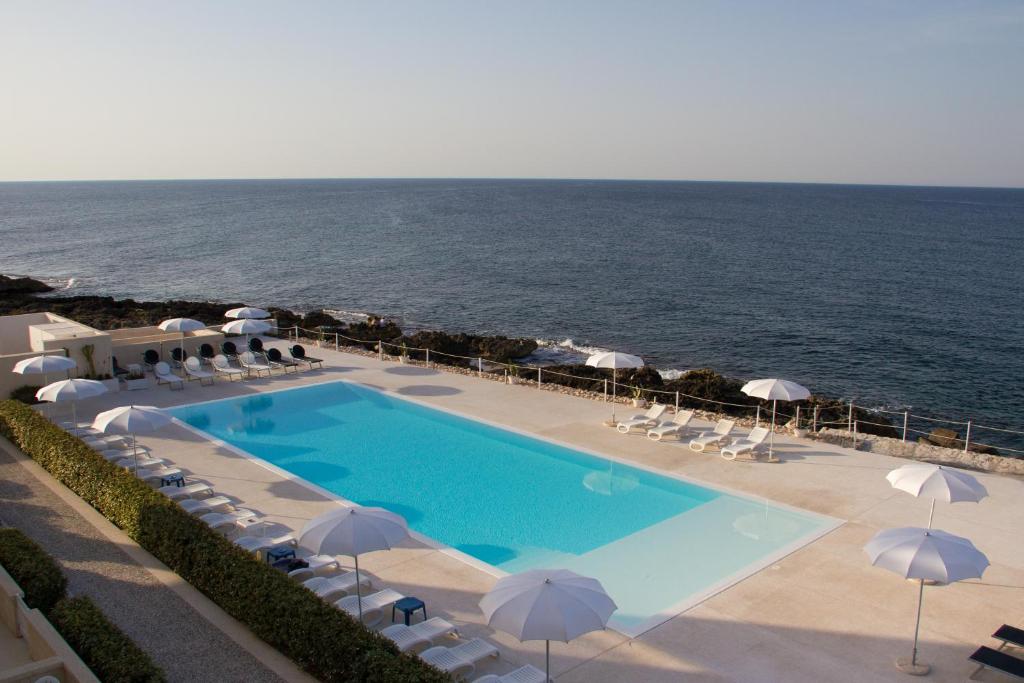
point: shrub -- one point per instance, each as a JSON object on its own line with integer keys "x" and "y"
{"x": 324, "y": 641}
{"x": 39, "y": 576}
{"x": 105, "y": 649}
{"x": 25, "y": 394}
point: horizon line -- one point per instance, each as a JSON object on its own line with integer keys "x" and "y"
{"x": 509, "y": 178}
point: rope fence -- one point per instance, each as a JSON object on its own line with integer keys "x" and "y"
{"x": 610, "y": 388}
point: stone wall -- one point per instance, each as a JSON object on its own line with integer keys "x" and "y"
{"x": 925, "y": 452}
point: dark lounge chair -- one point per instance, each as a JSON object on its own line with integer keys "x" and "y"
{"x": 988, "y": 658}
{"x": 299, "y": 355}
{"x": 256, "y": 345}
{"x": 150, "y": 358}
{"x": 118, "y": 370}
{"x": 178, "y": 356}
{"x": 1010, "y": 635}
{"x": 229, "y": 350}
{"x": 276, "y": 360}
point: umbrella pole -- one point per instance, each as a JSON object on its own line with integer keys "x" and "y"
{"x": 771, "y": 436}
{"x": 135, "y": 453}
{"x": 547, "y": 660}
{"x": 912, "y": 666}
{"x": 615, "y": 375}
{"x": 359, "y": 594}
{"x": 74, "y": 430}
{"x": 931, "y": 514}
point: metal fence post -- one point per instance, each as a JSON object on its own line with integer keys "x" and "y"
{"x": 967, "y": 438}
{"x": 538, "y": 377}
{"x": 428, "y": 357}
{"x": 337, "y": 346}
{"x": 757, "y": 420}
{"x": 677, "y": 403}
{"x": 606, "y": 390}
{"x": 906, "y": 418}
{"x": 814, "y": 420}
{"x": 853, "y": 433}
{"x": 480, "y": 367}
{"x": 849, "y": 419}
{"x": 380, "y": 351}
{"x": 797, "y": 418}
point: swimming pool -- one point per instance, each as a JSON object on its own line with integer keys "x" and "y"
{"x": 512, "y": 501}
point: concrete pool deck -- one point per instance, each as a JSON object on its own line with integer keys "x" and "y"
{"x": 820, "y": 614}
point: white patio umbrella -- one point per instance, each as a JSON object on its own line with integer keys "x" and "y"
{"x": 131, "y": 420}
{"x": 72, "y": 390}
{"x": 44, "y": 365}
{"x": 547, "y": 604}
{"x": 775, "y": 390}
{"x": 938, "y": 483}
{"x": 246, "y": 326}
{"x": 353, "y": 531}
{"x": 924, "y": 555}
{"x": 615, "y": 361}
{"x": 247, "y": 312}
{"x": 182, "y": 325}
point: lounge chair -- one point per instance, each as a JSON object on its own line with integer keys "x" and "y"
{"x": 677, "y": 426}
{"x": 204, "y": 505}
{"x": 256, "y": 345}
{"x": 334, "y": 588}
{"x": 373, "y": 605}
{"x": 107, "y": 441}
{"x": 299, "y": 356}
{"x": 189, "y": 491}
{"x": 714, "y": 437}
{"x": 997, "y": 660}
{"x": 150, "y": 358}
{"x": 1009, "y": 635}
{"x": 194, "y": 370}
{"x": 206, "y": 354}
{"x": 643, "y": 420}
{"x": 227, "y": 520}
{"x": 228, "y": 349}
{"x": 314, "y": 565}
{"x": 524, "y": 674}
{"x": 751, "y": 443}
{"x": 164, "y": 376}
{"x": 255, "y": 544}
{"x": 277, "y": 360}
{"x": 419, "y": 636}
{"x": 157, "y": 473}
{"x": 461, "y": 660}
{"x": 248, "y": 361}
{"x": 178, "y": 356}
{"x": 118, "y": 370}
{"x": 222, "y": 366}
{"x": 138, "y": 463}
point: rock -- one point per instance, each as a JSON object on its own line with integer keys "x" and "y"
{"x": 22, "y": 285}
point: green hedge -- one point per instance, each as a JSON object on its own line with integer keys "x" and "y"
{"x": 38, "y": 575}
{"x": 108, "y": 652}
{"x": 324, "y": 641}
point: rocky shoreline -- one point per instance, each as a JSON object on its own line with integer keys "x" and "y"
{"x": 701, "y": 389}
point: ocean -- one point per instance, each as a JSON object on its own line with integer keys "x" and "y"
{"x": 897, "y": 297}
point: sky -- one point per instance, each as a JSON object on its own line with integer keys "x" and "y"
{"x": 920, "y": 92}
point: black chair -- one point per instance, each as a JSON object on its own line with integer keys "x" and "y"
{"x": 275, "y": 359}
{"x": 1010, "y": 635}
{"x": 229, "y": 350}
{"x": 987, "y": 658}
{"x": 118, "y": 370}
{"x": 256, "y": 345}
{"x": 299, "y": 354}
{"x": 206, "y": 352}
{"x": 178, "y": 355}
{"x": 150, "y": 357}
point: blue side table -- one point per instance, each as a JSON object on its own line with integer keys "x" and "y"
{"x": 408, "y": 606}
{"x": 280, "y": 552}
{"x": 176, "y": 479}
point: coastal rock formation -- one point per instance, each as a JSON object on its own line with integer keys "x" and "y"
{"x": 497, "y": 349}
{"x": 926, "y": 452}
{"x": 22, "y": 285}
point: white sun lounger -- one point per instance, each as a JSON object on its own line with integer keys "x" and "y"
{"x": 227, "y": 520}
{"x": 138, "y": 463}
{"x": 714, "y": 437}
{"x": 677, "y": 425}
{"x": 164, "y": 376}
{"x": 190, "y": 491}
{"x": 461, "y": 660}
{"x": 248, "y": 361}
{"x": 194, "y": 370}
{"x": 751, "y": 443}
{"x": 255, "y": 544}
{"x": 373, "y": 605}
{"x": 108, "y": 441}
{"x": 648, "y": 419}
{"x": 223, "y": 366}
{"x": 82, "y": 429}
{"x": 524, "y": 674}
{"x": 316, "y": 565}
{"x": 334, "y": 588}
{"x": 419, "y": 636}
{"x": 204, "y": 505}
{"x": 157, "y": 473}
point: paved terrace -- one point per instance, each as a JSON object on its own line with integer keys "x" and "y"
{"x": 820, "y": 614}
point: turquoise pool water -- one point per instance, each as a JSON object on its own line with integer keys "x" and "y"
{"x": 509, "y": 500}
